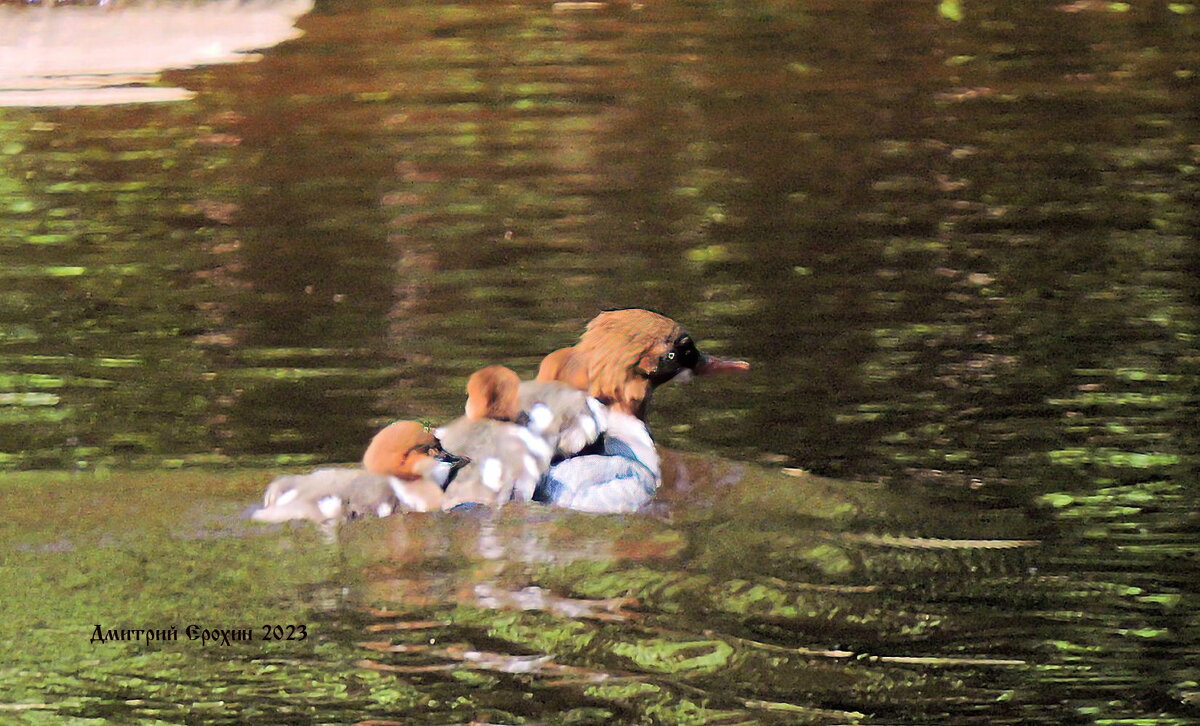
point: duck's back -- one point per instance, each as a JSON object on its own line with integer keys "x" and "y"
{"x": 623, "y": 478}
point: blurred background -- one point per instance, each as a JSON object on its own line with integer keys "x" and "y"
{"x": 951, "y": 242}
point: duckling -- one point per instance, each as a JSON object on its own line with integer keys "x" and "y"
{"x": 320, "y": 496}
{"x": 558, "y": 408}
{"x": 404, "y": 466}
{"x": 417, "y": 460}
{"x": 507, "y": 460}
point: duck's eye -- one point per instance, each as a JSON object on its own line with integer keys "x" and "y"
{"x": 671, "y": 355}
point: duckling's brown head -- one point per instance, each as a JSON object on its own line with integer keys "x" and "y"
{"x": 565, "y": 366}
{"x": 628, "y": 353}
{"x": 407, "y": 451}
{"x": 492, "y": 392}
{"x": 398, "y": 448}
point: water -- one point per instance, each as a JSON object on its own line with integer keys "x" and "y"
{"x": 960, "y": 254}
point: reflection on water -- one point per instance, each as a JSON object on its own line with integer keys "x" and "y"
{"x": 694, "y": 614}
{"x": 748, "y": 596}
{"x": 961, "y": 255}
{"x": 95, "y": 55}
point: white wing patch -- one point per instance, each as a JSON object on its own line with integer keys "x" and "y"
{"x": 540, "y": 417}
{"x": 384, "y": 509}
{"x": 330, "y": 506}
{"x": 490, "y": 472}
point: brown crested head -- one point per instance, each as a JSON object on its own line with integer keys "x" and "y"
{"x": 564, "y": 365}
{"x": 622, "y": 349}
{"x": 628, "y": 353}
{"x": 398, "y": 449}
{"x": 492, "y": 392}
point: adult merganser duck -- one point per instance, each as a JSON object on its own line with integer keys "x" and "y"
{"x": 626, "y": 355}
{"x": 507, "y": 459}
{"x": 629, "y": 353}
{"x": 404, "y": 469}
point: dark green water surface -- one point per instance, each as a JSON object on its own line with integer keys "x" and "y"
{"x": 958, "y": 243}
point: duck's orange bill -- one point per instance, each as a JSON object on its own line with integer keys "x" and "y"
{"x": 709, "y": 365}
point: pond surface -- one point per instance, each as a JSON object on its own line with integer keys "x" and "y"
{"x": 958, "y": 242}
